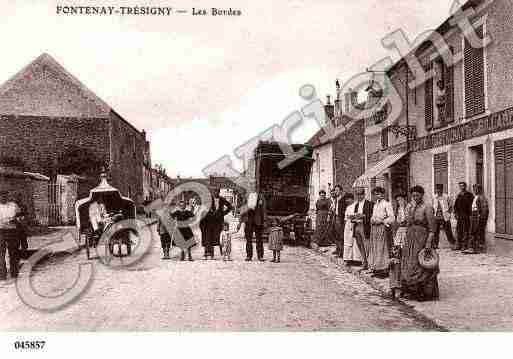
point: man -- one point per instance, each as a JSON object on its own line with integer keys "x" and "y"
{"x": 362, "y": 226}
{"x": 338, "y": 211}
{"x": 165, "y": 236}
{"x": 479, "y": 219}
{"x": 212, "y": 224}
{"x": 442, "y": 207}
{"x": 463, "y": 210}
{"x": 254, "y": 220}
{"x": 183, "y": 214}
{"x": 97, "y": 214}
{"x": 9, "y": 238}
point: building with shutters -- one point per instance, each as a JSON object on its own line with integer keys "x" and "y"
{"x": 462, "y": 117}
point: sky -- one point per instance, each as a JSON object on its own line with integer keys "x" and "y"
{"x": 201, "y": 86}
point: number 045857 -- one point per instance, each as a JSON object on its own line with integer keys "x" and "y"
{"x": 29, "y": 344}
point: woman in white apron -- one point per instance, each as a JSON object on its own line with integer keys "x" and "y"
{"x": 351, "y": 251}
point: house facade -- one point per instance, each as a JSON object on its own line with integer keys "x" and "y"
{"x": 54, "y": 125}
{"x": 339, "y": 160}
{"x": 463, "y": 116}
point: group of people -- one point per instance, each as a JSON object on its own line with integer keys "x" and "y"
{"x": 13, "y": 234}
{"x": 215, "y": 232}
{"x": 386, "y": 237}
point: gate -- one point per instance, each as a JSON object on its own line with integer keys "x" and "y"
{"x": 61, "y": 203}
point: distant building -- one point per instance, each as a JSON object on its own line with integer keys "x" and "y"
{"x": 53, "y": 124}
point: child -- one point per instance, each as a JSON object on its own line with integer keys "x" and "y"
{"x": 226, "y": 242}
{"x": 276, "y": 241}
{"x": 395, "y": 270}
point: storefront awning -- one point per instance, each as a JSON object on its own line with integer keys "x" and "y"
{"x": 378, "y": 168}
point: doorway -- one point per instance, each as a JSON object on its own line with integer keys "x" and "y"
{"x": 476, "y": 165}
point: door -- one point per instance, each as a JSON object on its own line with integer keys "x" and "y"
{"x": 503, "y": 154}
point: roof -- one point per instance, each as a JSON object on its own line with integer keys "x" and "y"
{"x": 320, "y": 138}
{"x": 46, "y": 60}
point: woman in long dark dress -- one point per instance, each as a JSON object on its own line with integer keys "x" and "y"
{"x": 322, "y": 207}
{"x": 418, "y": 282}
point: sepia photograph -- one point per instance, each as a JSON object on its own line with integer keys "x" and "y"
{"x": 259, "y": 167}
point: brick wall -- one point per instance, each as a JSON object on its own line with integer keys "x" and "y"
{"x": 349, "y": 156}
{"x": 42, "y": 141}
{"x": 126, "y": 166}
{"x": 421, "y": 168}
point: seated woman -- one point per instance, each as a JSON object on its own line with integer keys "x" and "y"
{"x": 418, "y": 282}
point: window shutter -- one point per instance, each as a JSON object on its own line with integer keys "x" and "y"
{"x": 474, "y": 78}
{"x": 429, "y": 99}
{"x": 449, "y": 93}
{"x": 508, "y": 184}
{"x": 440, "y": 169}
{"x": 384, "y": 138}
{"x": 500, "y": 203}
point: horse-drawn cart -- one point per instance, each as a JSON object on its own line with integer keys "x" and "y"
{"x": 114, "y": 208}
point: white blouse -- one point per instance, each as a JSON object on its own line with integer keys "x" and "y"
{"x": 384, "y": 212}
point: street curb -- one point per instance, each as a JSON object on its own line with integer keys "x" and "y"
{"x": 379, "y": 287}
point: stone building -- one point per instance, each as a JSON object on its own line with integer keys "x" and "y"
{"x": 463, "y": 132}
{"x": 53, "y": 124}
{"x": 338, "y": 160}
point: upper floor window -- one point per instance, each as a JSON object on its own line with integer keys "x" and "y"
{"x": 439, "y": 92}
{"x": 474, "y": 77}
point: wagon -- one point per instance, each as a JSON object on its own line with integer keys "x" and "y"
{"x": 117, "y": 208}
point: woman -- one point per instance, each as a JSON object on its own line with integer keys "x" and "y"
{"x": 322, "y": 207}
{"x": 416, "y": 281}
{"x": 381, "y": 221}
{"x": 351, "y": 252}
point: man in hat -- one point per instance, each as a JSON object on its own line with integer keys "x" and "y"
{"x": 338, "y": 211}
{"x": 442, "y": 208}
{"x": 212, "y": 224}
{"x": 9, "y": 238}
{"x": 254, "y": 220}
{"x": 479, "y": 219}
{"x": 463, "y": 210}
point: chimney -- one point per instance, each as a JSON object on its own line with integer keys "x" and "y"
{"x": 338, "y": 108}
{"x": 329, "y": 108}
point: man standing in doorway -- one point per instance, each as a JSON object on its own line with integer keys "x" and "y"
{"x": 463, "y": 210}
{"x": 442, "y": 207}
{"x": 479, "y": 219}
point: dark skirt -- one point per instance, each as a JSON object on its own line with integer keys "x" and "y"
{"x": 322, "y": 235}
{"x": 415, "y": 280}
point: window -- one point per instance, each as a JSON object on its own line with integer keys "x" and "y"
{"x": 428, "y": 111}
{"x": 439, "y": 94}
{"x": 441, "y": 170}
{"x": 384, "y": 138}
{"x": 474, "y": 77}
